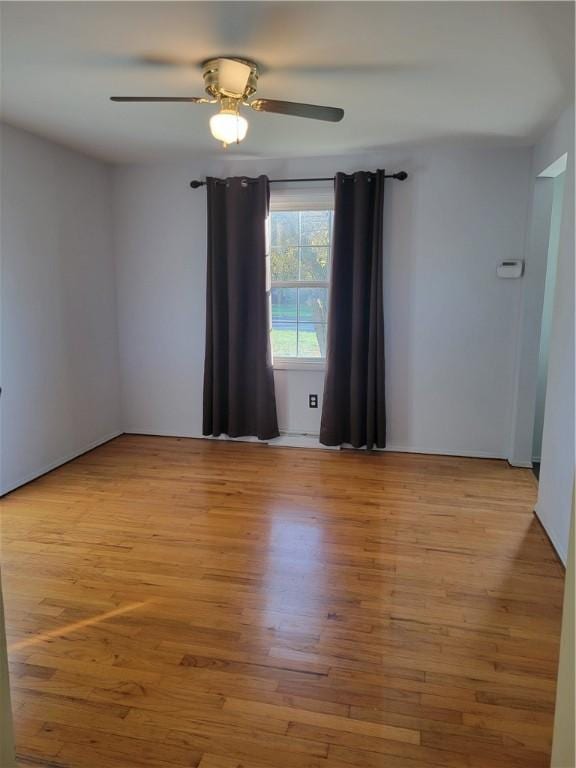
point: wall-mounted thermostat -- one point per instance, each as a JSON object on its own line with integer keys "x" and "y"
{"x": 510, "y": 269}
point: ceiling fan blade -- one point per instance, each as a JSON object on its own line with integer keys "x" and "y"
{"x": 233, "y": 76}
{"x": 189, "y": 99}
{"x": 312, "y": 111}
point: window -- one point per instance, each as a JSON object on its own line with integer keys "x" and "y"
{"x": 300, "y": 242}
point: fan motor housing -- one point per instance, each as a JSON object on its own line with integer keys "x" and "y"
{"x": 212, "y": 84}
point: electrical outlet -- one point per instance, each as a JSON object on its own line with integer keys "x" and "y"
{"x": 313, "y": 401}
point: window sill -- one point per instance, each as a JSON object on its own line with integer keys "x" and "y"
{"x": 295, "y": 364}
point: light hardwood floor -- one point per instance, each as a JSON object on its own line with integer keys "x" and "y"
{"x": 176, "y": 602}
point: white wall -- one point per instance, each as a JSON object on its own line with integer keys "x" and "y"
{"x": 292, "y": 391}
{"x": 59, "y": 362}
{"x": 557, "y": 463}
{"x": 451, "y": 324}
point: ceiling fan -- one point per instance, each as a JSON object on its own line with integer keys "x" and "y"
{"x": 231, "y": 83}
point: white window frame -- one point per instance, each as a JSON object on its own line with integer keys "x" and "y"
{"x": 300, "y": 199}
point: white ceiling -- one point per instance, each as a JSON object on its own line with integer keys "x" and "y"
{"x": 403, "y": 72}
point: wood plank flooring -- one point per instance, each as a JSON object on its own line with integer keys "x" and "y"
{"x": 175, "y": 602}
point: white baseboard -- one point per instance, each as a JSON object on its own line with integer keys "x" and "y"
{"x": 300, "y": 440}
{"x": 521, "y": 463}
{"x": 312, "y": 441}
{"x": 442, "y": 452}
{"x": 243, "y": 439}
{"x": 163, "y": 433}
{"x": 193, "y": 436}
{"x": 58, "y": 463}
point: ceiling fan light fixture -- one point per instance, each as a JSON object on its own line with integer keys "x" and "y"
{"x": 228, "y": 126}
{"x": 231, "y": 83}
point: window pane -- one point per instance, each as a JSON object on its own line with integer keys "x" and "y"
{"x": 314, "y": 263}
{"x": 284, "y": 263}
{"x": 315, "y": 227}
{"x": 299, "y": 252}
{"x": 284, "y": 305}
{"x": 312, "y": 340}
{"x": 313, "y": 305}
{"x": 284, "y": 339}
{"x": 284, "y": 228}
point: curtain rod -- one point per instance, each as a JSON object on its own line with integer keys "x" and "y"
{"x": 400, "y": 176}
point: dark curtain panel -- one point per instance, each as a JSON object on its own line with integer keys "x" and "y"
{"x": 239, "y": 396}
{"x": 354, "y": 398}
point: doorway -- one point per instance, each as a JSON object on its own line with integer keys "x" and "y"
{"x": 553, "y": 176}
